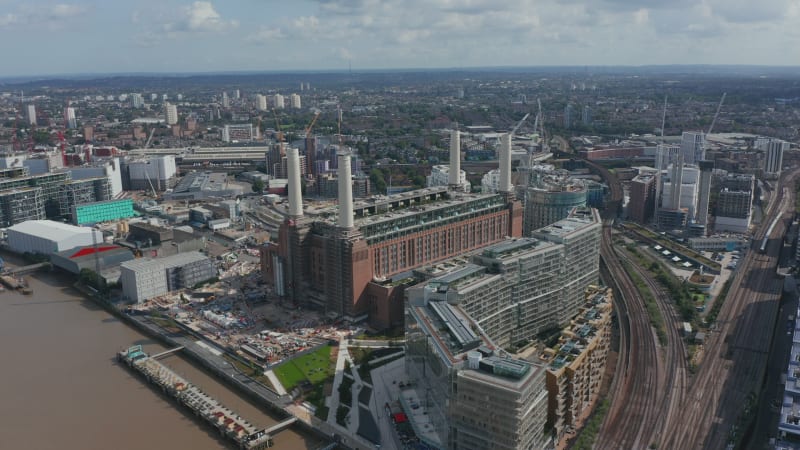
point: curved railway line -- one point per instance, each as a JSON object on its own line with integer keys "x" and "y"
{"x": 654, "y": 400}
{"x": 736, "y": 353}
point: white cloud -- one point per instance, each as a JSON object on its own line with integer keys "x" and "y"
{"x": 53, "y": 16}
{"x": 8, "y": 19}
{"x": 200, "y": 17}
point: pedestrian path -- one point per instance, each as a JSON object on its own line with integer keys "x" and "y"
{"x": 275, "y": 382}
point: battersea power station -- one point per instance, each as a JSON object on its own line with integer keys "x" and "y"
{"x": 354, "y": 260}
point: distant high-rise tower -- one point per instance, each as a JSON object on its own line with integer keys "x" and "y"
{"x": 586, "y": 118}
{"x": 278, "y": 102}
{"x": 226, "y": 101}
{"x": 137, "y": 101}
{"x": 568, "y": 115}
{"x": 237, "y": 94}
{"x": 706, "y": 167}
{"x": 261, "y": 102}
{"x": 30, "y": 113}
{"x": 153, "y": 97}
{"x": 692, "y": 147}
{"x": 69, "y": 114}
{"x": 171, "y": 111}
{"x": 773, "y": 160}
{"x": 295, "y": 101}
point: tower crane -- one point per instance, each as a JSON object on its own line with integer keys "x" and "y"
{"x": 280, "y": 133}
{"x": 147, "y": 172}
{"x": 311, "y": 125}
{"x": 713, "y": 122}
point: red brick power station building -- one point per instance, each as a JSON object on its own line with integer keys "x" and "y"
{"x": 352, "y": 261}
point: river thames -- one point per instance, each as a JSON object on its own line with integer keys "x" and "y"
{"x": 62, "y": 388}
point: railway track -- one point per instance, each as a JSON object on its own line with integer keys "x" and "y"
{"x": 633, "y": 412}
{"x": 736, "y": 353}
{"x": 674, "y": 376}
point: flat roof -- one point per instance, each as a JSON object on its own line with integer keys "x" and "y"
{"x": 50, "y": 229}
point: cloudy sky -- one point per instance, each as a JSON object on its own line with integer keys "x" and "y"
{"x": 38, "y": 37}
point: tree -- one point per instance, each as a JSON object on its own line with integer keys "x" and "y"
{"x": 258, "y": 185}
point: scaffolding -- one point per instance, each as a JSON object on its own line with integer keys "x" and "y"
{"x": 81, "y": 192}
{"x": 19, "y": 205}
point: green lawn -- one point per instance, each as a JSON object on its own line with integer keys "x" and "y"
{"x": 314, "y": 367}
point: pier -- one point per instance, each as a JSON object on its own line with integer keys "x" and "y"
{"x": 226, "y": 421}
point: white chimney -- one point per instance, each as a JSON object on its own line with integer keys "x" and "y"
{"x": 295, "y": 191}
{"x": 505, "y": 164}
{"x": 345, "y": 190}
{"x": 455, "y": 158}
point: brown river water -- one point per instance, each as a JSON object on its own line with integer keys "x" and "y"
{"x": 61, "y": 388}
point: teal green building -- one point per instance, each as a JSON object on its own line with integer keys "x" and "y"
{"x": 102, "y": 211}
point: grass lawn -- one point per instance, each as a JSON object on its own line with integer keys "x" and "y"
{"x": 315, "y": 367}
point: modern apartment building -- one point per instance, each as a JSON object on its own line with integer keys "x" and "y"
{"x": 518, "y": 288}
{"x": 576, "y": 365}
{"x": 471, "y": 394}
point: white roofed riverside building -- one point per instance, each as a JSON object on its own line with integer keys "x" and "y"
{"x": 47, "y": 237}
{"x": 440, "y": 176}
{"x": 145, "y": 278}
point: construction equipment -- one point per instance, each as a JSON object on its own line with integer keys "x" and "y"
{"x": 149, "y": 138}
{"x": 719, "y": 107}
{"x": 147, "y": 172}
{"x": 519, "y": 124}
{"x": 311, "y": 125}
{"x": 663, "y": 119}
{"x": 281, "y": 141}
{"x": 713, "y": 122}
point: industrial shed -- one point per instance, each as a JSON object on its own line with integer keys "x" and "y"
{"x": 90, "y": 257}
{"x": 48, "y": 237}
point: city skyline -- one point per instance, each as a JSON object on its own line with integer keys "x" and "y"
{"x": 211, "y": 36}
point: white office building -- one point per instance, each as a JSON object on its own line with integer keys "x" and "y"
{"x": 145, "y": 278}
{"x": 773, "y": 156}
{"x": 295, "y": 101}
{"x": 261, "y": 102}
{"x": 137, "y": 101}
{"x": 109, "y": 168}
{"x": 688, "y": 190}
{"x": 171, "y": 113}
{"x": 30, "y": 114}
{"x": 278, "y": 101}
{"x": 440, "y": 177}
{"x": 69, "y": 114}
{"x": 692, "y": 147}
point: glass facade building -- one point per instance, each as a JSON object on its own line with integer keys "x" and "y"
{"x": 102, "y": 211}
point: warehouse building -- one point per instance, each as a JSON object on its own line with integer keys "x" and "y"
{"x": 145, "y": 278}
{"x": 105, "y": 258}
{"x": 47, "y": 237}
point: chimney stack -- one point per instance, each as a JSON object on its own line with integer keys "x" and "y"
{"x": 505, "y": 164}
{"x": 345, "y": 190}
{"x": 455, "y": 159}
{"x": 295, "y": 191}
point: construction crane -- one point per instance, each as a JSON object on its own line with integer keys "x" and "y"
{"x": 663, "y": 119}
{"x": 280, "y": 133}
{"x": 147, "y": 172}
{"x": 311, "y": 125}
{"x": 713, "y": 122}
{"x": 719, "y": 107}
{"x": 519, "y": 124}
